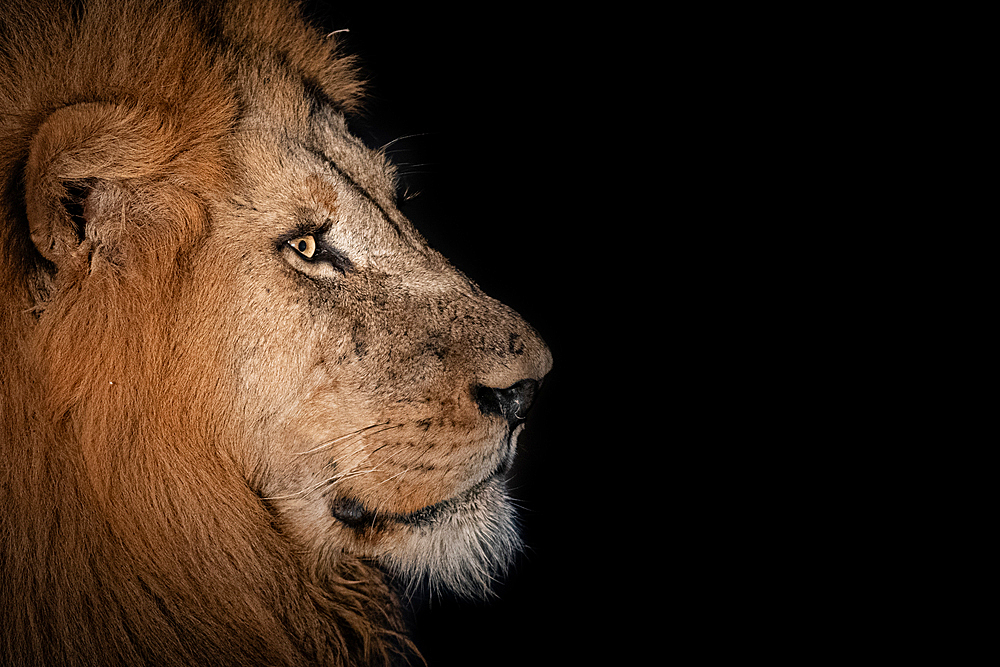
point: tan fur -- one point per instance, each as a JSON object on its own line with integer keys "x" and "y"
{"x": 189, "y": 410}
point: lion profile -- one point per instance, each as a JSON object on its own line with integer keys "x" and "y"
{"x": 240, "y": 396}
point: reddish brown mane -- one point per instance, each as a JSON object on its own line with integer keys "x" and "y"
{"x": 129, "y": 536}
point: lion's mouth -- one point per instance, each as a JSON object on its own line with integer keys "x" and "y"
{"x": 354, "y": 514}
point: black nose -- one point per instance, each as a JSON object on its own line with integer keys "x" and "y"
{"x": 511, "y": 403}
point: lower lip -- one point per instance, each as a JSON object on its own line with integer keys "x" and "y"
{"x": 354, "y": 515}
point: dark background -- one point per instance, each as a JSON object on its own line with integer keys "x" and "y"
{"x": 500, "y": 162}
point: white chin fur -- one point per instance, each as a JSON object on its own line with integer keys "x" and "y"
{"x": 462, "y": 550}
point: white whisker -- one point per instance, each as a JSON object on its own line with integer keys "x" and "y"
{"x": 329, "y": 481}
{"x": 388, "y": 479}
{"x": 408, "y": 136}
{"x": 330, "y": 443}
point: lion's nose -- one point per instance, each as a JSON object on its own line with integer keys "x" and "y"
{"x": 511, "y": 403}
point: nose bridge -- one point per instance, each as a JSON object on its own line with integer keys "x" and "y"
{"x": 510, "y": 350}
{"x": 494, "y": 344}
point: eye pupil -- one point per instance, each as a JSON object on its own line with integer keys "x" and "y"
{"x": 302, "y": 246}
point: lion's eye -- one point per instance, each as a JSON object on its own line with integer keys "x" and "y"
{"x": 306, "y": 245}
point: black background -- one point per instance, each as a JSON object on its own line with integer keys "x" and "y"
{"x": 497, "y": 150}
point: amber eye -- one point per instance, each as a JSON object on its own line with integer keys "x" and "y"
{"x": 306, "y": 245}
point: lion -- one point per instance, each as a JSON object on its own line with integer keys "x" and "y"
{"x": 244, "y": 407}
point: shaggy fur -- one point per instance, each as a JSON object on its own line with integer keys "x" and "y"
{"x": 212, "y": 444}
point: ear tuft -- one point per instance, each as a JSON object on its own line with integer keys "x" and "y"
{"x": 75, "y": 205}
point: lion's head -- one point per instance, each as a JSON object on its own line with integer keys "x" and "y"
{"x": 231, "y": 365}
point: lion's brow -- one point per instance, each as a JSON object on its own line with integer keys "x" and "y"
{"x": 320, "y": 155}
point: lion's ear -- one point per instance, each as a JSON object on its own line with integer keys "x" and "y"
{"x": 74, "y": 164}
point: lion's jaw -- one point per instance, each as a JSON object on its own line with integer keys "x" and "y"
{"x": 459, "y": 545}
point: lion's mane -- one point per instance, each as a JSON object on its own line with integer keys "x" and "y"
{"x": 121, "y": 543}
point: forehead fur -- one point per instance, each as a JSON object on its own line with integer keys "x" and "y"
{"x": 168, "y": 51}
{"x": 182, "y": 62}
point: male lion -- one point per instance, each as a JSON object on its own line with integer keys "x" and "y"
{"x": 236, "y": 385}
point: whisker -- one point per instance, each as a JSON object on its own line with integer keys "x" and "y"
{"x": 334, "y": 479}
{"x": 407, "y": 168}
{"x": 330, "y": 443}
{"x": 388, "y": 479}
{"x": 326, "y": 482}
{"x": 407, "y": 136}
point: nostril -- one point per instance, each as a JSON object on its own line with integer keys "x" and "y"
{"x": 511, "y": 403}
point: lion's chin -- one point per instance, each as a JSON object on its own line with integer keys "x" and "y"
{"x": 460, "y": 545}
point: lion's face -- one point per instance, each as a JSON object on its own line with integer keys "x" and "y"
{"x": 379, "y": 393}
{"x": 233, "y": 374}
{"x": 223, "y": 275}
